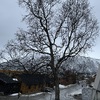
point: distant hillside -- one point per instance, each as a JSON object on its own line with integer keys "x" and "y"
{"x": 80, "y": 63}
{"x": 83, "y": 64}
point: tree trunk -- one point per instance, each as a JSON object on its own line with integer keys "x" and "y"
{"x": 57, "y": 90}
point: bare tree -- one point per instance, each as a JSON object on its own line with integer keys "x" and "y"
{"x": 13, "y": 58}
{"x": 56, "y": 28}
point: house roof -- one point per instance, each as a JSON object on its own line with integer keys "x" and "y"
{"x": 6, "y": 79}
{"x": 33, "y": 79}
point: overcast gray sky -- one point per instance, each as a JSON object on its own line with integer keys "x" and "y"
{"x": 10, "y": 20}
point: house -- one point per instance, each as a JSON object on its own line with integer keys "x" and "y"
{"x": 68, "y": 77}
{"x": 32, "y": 83}
{"x": 8, "y": 85}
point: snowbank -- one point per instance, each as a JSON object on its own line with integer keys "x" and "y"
{"x": 76, "y": 92}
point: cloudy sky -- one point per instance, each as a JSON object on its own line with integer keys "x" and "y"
{"x": 10, "y": 20}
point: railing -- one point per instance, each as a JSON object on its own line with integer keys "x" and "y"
{"x": 96, "y": 94}
{"x": 90, "y": 94}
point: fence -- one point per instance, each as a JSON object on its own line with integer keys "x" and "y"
{"x": 87, "y": 94}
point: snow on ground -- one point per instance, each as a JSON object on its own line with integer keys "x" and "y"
{"x": 66, "y": 93}
{"x": 61, "y": 86}
{"x": 14, "y": 94}
{"x": 70, "y": 91}
{"x": 76, "y": 92}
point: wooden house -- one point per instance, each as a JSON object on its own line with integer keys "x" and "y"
{"x": 32, "y": 83}
{"x": 8, "y": 85}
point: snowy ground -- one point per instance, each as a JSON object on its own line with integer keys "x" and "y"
{"x": 66, "y": 93}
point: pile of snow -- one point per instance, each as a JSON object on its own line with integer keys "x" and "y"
{"x": 62, "y": 86}
{"x": 14, "y": 94}
{"x": 15, "y": 79}
{"x": 76, "y": 92}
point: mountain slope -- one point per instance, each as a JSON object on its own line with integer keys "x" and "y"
{"x": 79, "y": 63}
{"x": 82, "y": 64}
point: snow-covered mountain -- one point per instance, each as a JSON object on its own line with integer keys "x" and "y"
{"x": 79, "y": 63}
{"x": 83, "y": 64}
